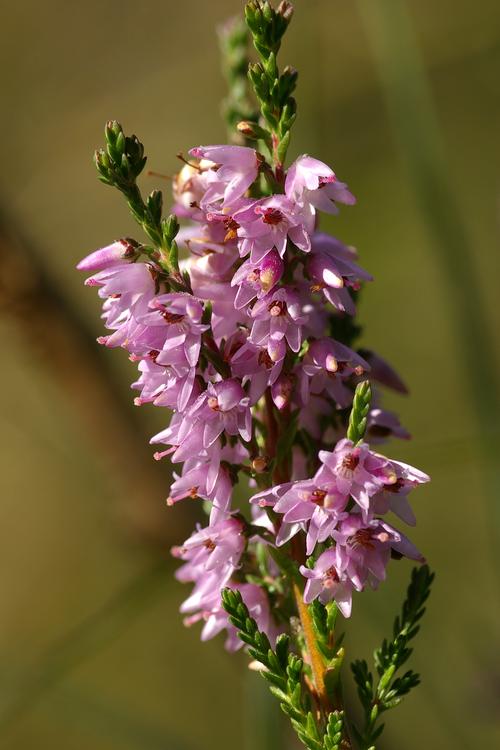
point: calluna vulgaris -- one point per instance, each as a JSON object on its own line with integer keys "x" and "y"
{"x": 248, "y": 339}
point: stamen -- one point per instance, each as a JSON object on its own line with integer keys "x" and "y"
{"x": 265, "y": 359}
{"x": 330, "y": 578}
{"x": 362, "y": 538}
{"x": 171, "y": 318}
{"x": 318, "y": 497}
{"x": 350, "y": 461}
{"x": 272, "y": 216}
{"x": 277, "y": 308}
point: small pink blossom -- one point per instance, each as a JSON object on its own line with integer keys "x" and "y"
{"x": 382, "y": 424}
{"x": 363, "y": 549}
{"x": 278, "y": 318}
{"x": 109, "y": 256}
{"x": 127, "y": 290}
{"x": 269, "y": 223}
{"x": 236, "y": 168}
{"x": 257, "y": 279}
{"x": 325, "y": 583}
{"x": 355, "y": 471}
{"x": 255, "y": 367}
{"x": 325, "y": 367}
{"x": 394, "y": 496}
{"x": 314, "y": 186}
{"x": 223, "y": 407}
{"x": 333, "y": 271}
{"x": 314, "y": 505}
{"x": 173, "y": 327}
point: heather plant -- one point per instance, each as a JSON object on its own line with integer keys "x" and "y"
{"x": 241, "y": 316}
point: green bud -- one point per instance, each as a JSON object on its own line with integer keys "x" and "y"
{"x": 386, "y": 678}
{"x": 268, "y": 113}
{"x": 283, "y": 147}
{"x": 120, "y": 142}
{"x": 154, "y": 204}
{"x": 252, "y": 130}
{"x": 171, "y": 227}
{"x": 173, "y": 256}
{"x": 271, "y": 67}
{"x": 267, "y": 12}
{"x": 112, "y": 130}
{"x": 359, "y": 412}
{"x": 125, "y": 166}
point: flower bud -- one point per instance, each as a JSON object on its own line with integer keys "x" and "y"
{"x": 281, "y": 391}
{"x": 260, "y": 464}
{"x": 111, "y": 255}
{"x": 271, "y": 270}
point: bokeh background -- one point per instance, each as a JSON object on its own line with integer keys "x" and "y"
{"x": 402, "y": 97}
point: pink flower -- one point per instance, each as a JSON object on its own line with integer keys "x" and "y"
{"x": 173, "y": 327}
{"x": 314, "y": 504}
{"x": 254, "y": 366}
{"x": 216, "y": 547}
{"x": 236, "y": 168}
{"x": 189, "y": 187}
{"x": 127, "y": 289}
{"x": 278, "y": 318}
{"x": 223, "y": 407}
{"x": 325, "y": 366}
{"x": 394, "y": 495}
{"x": 364, "y": 549}
{"x": 313, "y": 185}
{"x": 208, "y": 476}
{"x": 268, "y": 499}
{"x": 325, "y": 583}
{"x": 257, "y": 279}
{"x": 184, "y": 442}
{"x": 355, "y": 471}
{"x": 382, "y": 424}
{"x": 172, "y": 386}
{"x": 109, "y": 256}
{"x": 268, "y": 223}
{"x": 282, "y": 390}
{"x": 332, "y": 270}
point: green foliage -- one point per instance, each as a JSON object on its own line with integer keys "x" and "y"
{"x": 283, "y": 671}
{"x": 119, "y": 164}
{"x": 233, "y": 42}
{"x": 392, "y": 654}
{"x": 122, "y": 161}
{"x": 281, "y": 668}
{"x": 334, "y": 731}
{"x": 359, "y": 412}
{"x": 273, "y": 90}
{"x": 267, "y": 25}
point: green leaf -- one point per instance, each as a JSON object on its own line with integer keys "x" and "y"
{"x": 359, "y": 412}
{"x": 283, "y": 670}
{"x": 390, "y": 657}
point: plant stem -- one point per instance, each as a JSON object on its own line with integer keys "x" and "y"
{"x": 315, "y": 658}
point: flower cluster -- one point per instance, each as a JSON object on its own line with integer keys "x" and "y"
{"x": 238, "y": 344}
{"x": 240, "y": 315}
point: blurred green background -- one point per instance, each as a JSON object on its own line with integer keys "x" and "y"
{"x": 403, "y": 99}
